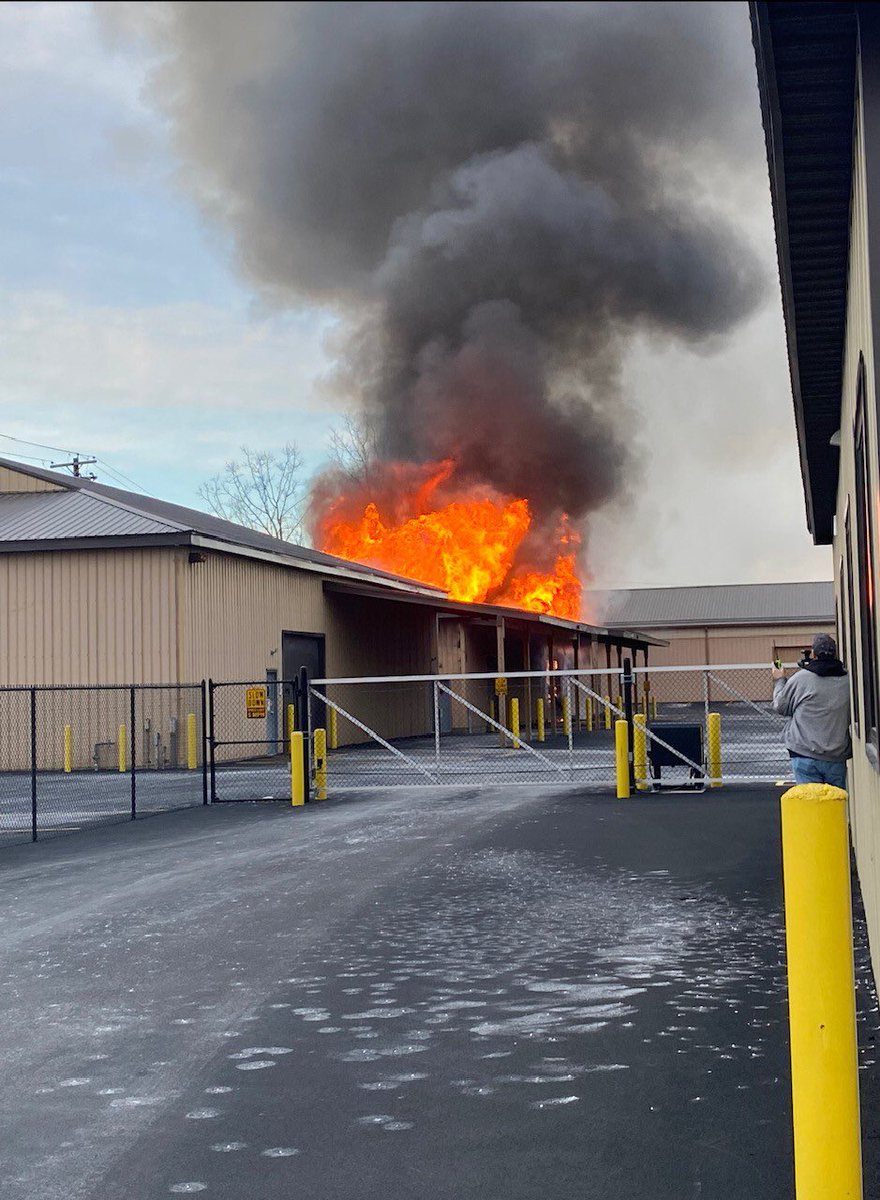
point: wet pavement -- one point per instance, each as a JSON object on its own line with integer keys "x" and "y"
{"x": 481, "y": 994}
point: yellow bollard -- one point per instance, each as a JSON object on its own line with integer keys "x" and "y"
{"x": 821, "y": 993}
{"x": 291, "y": 720}
{"x": 607, "y": 712}
{"x": 620, "y": 703}
{"x": 297, "y": 775}
{"x": 320, "y": 764}
{"x": 68, "y": 749}
{"x": 566, "y": 715}
{"x": 192, "y": 755}
{"x": 589, "y": 714}
{"x": 621, "y": 758}
{"x": 122, "y": 748}
{"x": 713, "y": 732}
{"x": 333, "y": 732}
{"x": 514, "y": 723}
{"x": 539, "y": 707}
{"x": 640, "y": 752}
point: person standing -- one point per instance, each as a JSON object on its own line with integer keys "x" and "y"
{"x": 815, "y": 701}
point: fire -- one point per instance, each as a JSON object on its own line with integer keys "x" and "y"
{"x": 417, "y": 523}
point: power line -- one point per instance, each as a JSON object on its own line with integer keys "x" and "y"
{"x": 112, "y": 471}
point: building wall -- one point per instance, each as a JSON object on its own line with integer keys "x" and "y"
{"x": 864, "y": 781}
{"x": 15, "y": 481}
{"x": 722, "y": 646}
{"x": 88, "y": 617}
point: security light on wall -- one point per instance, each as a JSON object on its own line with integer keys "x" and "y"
{"x": 835, "y": 439}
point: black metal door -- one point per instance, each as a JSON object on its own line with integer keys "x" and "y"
{"x": 298, "y": 651}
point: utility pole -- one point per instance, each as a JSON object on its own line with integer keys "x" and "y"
{"x": 75, "y": 465}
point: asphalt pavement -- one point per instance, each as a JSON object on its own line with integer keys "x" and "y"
{"x": 435, "y": 994}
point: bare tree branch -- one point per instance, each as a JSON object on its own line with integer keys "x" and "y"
{"x": 353, "y": 448}
{"x": 262, "y": 490}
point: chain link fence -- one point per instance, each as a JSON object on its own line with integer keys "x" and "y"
{"x": 552, "y": 728}
{"x": 77, "y": 757}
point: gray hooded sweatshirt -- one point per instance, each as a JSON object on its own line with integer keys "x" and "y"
{"x": 816, "y": 703}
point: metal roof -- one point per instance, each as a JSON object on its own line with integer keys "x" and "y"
{"x": 806, "y": 56}
{"x": 725, "y": 604}
{"x": 50, "y": 516}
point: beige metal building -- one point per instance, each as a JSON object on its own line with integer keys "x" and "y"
{"x": 729, "y": 623}
{"x": 103, "y": 586}
{"x": 819, "y": 77}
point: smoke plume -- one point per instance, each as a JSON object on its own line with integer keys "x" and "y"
{"x": 497, "y": 197}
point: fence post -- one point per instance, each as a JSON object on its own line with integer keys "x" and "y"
{"x": 33, "y": 764}
{"x": 132, "y": 718}
{"x": 211, "y": 745}
{"x": 436, "y": 723}
{"x": 628, "y": 710}
{"x": 713, "y": 736}
{"x": 821, "y": 993}
{"x": 204, "y": 691}
{"x": 621, "y": 758}
{"x": 304, "y": 713}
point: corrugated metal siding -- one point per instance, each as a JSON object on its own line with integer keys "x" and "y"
{"x": 88, "y": 617}
{"x": 55, "y": 515}
{"x": 234, "y": 611}
{"x": 15, "y": 481}
{"x": 864, "y": 782}
{"x": 757, "y": 603}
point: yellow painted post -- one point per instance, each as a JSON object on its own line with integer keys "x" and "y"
{"x": 192, "y": 756}
{"x": 607, "y": 712}
{"x": 297, "y": 775}
{"x": 640, "y": 752}
{"x": 588, "y": 714}
{"x": 122, "y": 748}
{"x": 514, "y": 722}
{"x": 333, "y": 730}
{"x": 566, "y": 715}
{"x": 320, "y": 764}
{"x": 621, "y": 758}
{"x": 713, "y": 731}
{"x": 291, "y": 720}
{"x": 620, "y": 702}
{"x": 821, "y": 993}
{"x": 539, "y": 703}
{"x": 68, "y": 749}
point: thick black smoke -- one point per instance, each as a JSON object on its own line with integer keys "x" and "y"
{"x": 498, "y": 196}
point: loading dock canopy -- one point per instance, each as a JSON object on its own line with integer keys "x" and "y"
{"x": 514, "y": 618}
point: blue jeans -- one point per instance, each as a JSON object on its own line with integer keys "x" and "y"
{"x": 815, "y": 770}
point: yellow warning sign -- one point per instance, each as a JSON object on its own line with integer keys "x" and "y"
{"x": 255, "y": 701}
{"x": 500, "y": 686}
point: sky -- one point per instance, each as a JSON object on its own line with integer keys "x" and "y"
{"x": 127, "y": 334}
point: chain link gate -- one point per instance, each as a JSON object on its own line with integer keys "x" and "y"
{"x": 551, "y": 727}
{"x": 249, "y": 727}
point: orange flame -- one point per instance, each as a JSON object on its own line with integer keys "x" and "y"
{"x": 468, "y": 544}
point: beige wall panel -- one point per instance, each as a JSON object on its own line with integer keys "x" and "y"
{"x": 88, "y": 617}
{"x": 235, "y": 610}
{"x": 16, "y": 481}
{"x": 864, "y": 782}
